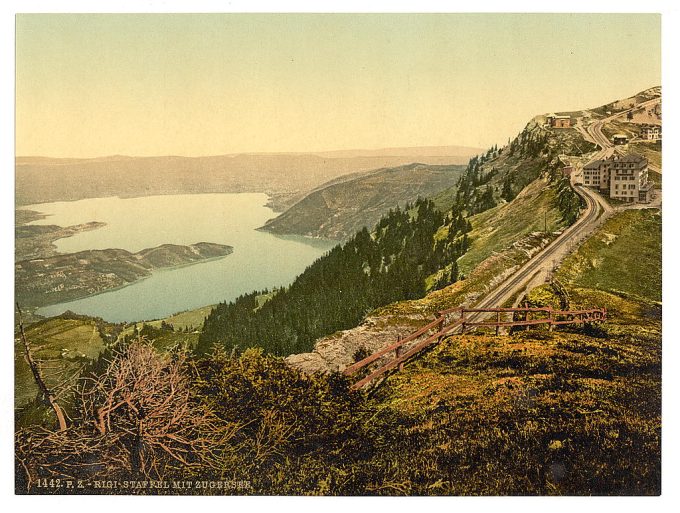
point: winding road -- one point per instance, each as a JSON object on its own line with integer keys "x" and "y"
{"x": 594, "y": 130}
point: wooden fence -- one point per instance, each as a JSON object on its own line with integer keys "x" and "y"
{"x": 454, "y": 320}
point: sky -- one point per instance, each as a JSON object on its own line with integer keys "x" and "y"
{"x": 171, "y": 84}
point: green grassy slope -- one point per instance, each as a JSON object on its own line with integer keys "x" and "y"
{"x": 64, "y": 345}
{"x": 651, "y": 151}
{"x": 619, "y": 127}
{"x": 623, "y": 256}
{"x": 575, "y": 411}
{"x": 559, "y": 414}
{"x": 533, "y": 210}
{"x": 189, "y": 319}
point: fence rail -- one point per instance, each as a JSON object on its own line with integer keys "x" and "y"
{"x": 443, "y": 327}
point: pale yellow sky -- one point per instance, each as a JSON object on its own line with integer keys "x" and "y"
{"x": 95, "y": 85}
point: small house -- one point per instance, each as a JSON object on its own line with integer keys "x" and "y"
{"x": 561, "y": 122}
{"x": 619, "y": 139}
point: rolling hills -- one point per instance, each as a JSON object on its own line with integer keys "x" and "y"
{"x": 340, "y": 208}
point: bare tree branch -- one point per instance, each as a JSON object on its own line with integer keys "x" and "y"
{"x": 37, "y": 376}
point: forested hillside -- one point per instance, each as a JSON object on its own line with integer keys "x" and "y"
{"x": 501, "y": 173}
{"x": 337, "y": 291}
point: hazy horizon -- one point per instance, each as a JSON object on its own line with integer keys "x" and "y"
{"x": 341, "y": 153}
{"x": 144, "y": 85}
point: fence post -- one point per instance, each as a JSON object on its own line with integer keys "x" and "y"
{"x": 462, "y": 320}
{"x": 498, "y": 320}
{"x": 440, "y": 327}
{"x": 550, "y": 316}
{"x": 399, "y": 351}
{"x": 526, "y": 315}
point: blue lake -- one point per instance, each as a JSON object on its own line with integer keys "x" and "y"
{"x": 260, "y": 260}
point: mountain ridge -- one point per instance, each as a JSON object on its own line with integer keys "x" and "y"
{"x": 284, "y": 177}
{"x": 343, "y": 206}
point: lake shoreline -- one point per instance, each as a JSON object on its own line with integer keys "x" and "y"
{"x": 259, "y": 260}
{"x": 74, "y": 275}
{"x": 36, "y": 310}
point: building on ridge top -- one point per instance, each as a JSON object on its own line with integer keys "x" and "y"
{"x": 556, "y": 121}
{"x": 623, "y": 177}
{"x": 619, "y": 139}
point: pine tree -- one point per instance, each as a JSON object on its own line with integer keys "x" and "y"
{"x": 507, "y": 193}
{"x": 453, "y": 273}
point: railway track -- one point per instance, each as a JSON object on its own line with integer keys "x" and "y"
{"x": 596, "y": 208}
{"x": 570, "y": 236}
{"x": 594, "y": 130}
{"x": 500, "y": 295}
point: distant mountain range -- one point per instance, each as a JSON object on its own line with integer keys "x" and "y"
{"x": 284, "y": 176}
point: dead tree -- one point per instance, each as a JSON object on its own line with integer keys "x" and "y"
{"x": 47, "y": 394}
{"x": 143, "y": 403}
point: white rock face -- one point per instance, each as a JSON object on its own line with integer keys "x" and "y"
{"x": 336, "y": 352}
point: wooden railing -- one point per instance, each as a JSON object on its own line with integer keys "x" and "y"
{"x": 443, "y": 326}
